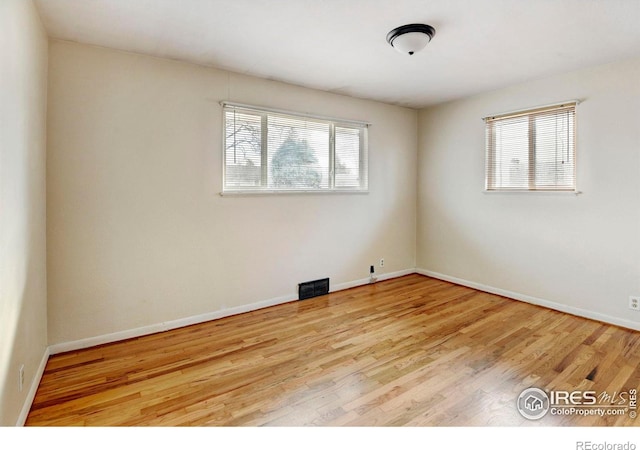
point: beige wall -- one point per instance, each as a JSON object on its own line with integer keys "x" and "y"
{"x": 23, "y": 308}
{"x": 581, "y": 253}
{"x": 137, "y": 232}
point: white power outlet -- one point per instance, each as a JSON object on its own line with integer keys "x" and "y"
{"x": 21, "y": 377}
{"x": 381, "y": 262}
{"x": 634, "y": 303}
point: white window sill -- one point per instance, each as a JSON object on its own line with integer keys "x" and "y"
{"x": 527, "y": 191}
{"x": 247, "y": 192}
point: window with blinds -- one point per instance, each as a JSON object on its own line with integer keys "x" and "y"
{"x": 272, "y": 151}
{"x": 532, "y": 150}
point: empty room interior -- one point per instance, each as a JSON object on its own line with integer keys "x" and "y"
{"x": 319, "y": 213}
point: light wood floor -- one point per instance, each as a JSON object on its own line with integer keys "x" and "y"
{"x": 410, "y": 351}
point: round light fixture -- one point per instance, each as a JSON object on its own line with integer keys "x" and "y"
{"x": 412, "y": 38}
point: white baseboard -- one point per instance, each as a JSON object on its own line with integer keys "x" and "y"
{"x": 534, "y": 300}
{"x": 200, "y": 318}
{"x": 164, "y": 326}
{"x": 363, "y": 281}
{"x": 22, "y": 418}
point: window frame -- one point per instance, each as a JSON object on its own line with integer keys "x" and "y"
{"x": 531, "y": 114}
{"x": 333, "y": 123}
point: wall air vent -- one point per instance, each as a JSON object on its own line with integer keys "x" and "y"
{"x": 310, "y": 289}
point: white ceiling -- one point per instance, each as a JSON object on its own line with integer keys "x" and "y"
{"x": 340, "y": 46}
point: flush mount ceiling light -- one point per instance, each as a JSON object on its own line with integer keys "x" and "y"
{"x": 412, "y": 38}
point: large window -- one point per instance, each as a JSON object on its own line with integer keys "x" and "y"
{"x": 532, "y": 150}
{"x": 272, "y": 151}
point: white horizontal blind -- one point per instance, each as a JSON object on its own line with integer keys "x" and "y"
{"x": 274, "y": 151}
{"x": 532, "y": 150}
{"x": 243, "y": 150}
{"x": 349, "y": 158}
{"x": 298, "y": 153}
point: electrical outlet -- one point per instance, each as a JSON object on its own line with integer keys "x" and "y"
{"x": 381, "y": 262}
{"x": 21, "y": 377}
{"x": 372, "y": 276}
{"x": 634, "y": 303}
